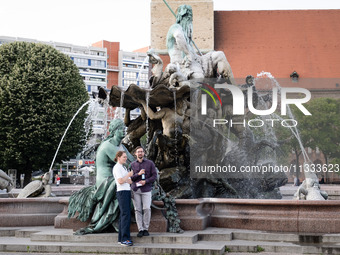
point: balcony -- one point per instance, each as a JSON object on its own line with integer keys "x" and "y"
{"x": 113, "y": 68}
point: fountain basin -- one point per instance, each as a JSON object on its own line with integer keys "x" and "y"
{"x": 276, "y": 215}
{"x": 255, "y": 214}
{"x": 158, "y": 222}
{"x": 29, "y": 211}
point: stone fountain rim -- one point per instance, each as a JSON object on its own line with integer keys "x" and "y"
{"x": 239, "y": 201}
{"x": 30, "y": 200}
{"x": 262, "y": 201}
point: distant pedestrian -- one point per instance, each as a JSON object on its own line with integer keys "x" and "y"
{"x": 296, "y": 181}
{"x": 57, "y": 179}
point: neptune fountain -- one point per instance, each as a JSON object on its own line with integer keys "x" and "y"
{"x": 178, "y": 133}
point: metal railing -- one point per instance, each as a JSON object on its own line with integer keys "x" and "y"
{"x": 109, "y": 67}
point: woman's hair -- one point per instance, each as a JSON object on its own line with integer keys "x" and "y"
{"x": 118, "y": 155}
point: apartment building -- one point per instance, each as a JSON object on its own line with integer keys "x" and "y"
{"x": 134, "y": 69}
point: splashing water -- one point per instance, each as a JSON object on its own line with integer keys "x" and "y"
{"x": 121, "y": 105}
{"x": 268, "y": 153}
{"x": 109, "y": 113}
{"x": 140, "y": 71}
{"x": 92, "y": 113}
{"x": 294, "y": 130}
{"x": 147, "y": 98}
{"x": 69, "y": 124}
{"x": 176, "y": 129}
{"x": 119, "y": 111}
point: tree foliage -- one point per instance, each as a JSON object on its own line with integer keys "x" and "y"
{"x": 40, "y": 91}
{"x": 322, "y": 129}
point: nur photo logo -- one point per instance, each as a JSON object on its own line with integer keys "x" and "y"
{"x": 243, "y": 98}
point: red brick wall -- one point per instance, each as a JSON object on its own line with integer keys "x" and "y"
{"x": 279, "y": 42}
{"x": 112, "y": 53}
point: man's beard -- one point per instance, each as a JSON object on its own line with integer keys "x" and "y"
{"x": 140, "y": 157}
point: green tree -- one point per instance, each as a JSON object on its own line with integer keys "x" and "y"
{"x": 40, "y": 91}
{"x": 322, "y": 128}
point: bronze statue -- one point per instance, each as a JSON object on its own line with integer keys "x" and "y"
{"x": 310, "y": 187}
{"x": 179, "y": 132}
{"x": 179, "y": 44}
{"x": 5, "y": 181}
{"x": 100, "y": 199}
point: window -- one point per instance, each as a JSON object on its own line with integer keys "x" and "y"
{"x": 100, "y": 63}
{"x": 128, "y": 82}
{"x": 129, "y": 65}
{"x": 143, "y": 76}
{"x": 80, "y": 61}
{"x": 129, "y": 75}
{"x": 142, "y": 83}
{"x": 97, "y": 79}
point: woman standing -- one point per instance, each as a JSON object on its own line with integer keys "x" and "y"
{"x": 123, "y": 180}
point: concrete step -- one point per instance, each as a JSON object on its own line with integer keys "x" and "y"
{"x": 281, "y": 247}
{"x": 201, "y": 247}
{"x": 208, "y": 241}
{"x": 7, "y": 232}
{"x": 262, "y": 236}
{"x": 302, "y": 238}
{"x": 277, "y": 247}
{"x": 27, "y": 232}
{"x": 26, "y": 245}
{"x": 21, "y": 231}
{"x": 215, "y": 234}
{"x": 66, "y": 235}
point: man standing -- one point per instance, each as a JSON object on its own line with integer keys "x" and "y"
{"x": 144, "y": 174}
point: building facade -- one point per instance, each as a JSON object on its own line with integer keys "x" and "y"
{"x": 125, "y": 68}
{"x": 113, "y": 68}
{"x": 134, "y": 69}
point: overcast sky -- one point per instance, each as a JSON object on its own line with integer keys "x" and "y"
{"x": 83, "y": 22}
